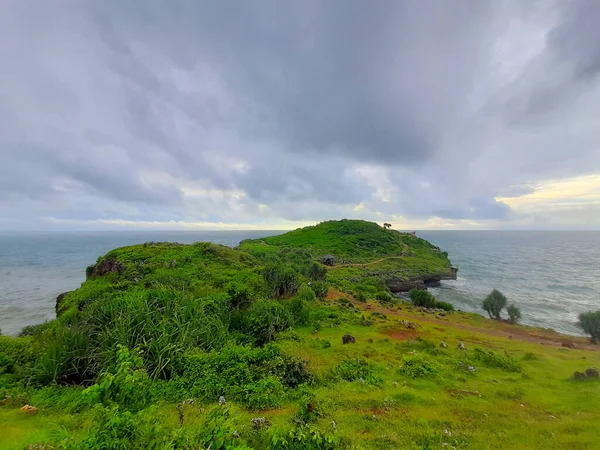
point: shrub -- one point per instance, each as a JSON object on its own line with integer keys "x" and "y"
{"x": 304, "y": 437}
{"x": 418, "y": 366}
{"x": 358, "y": 368}
{"x": 384, "y": 296}
{"x": 15, "y": 353}
{"x": 281, "y": 280}
{"x": 236, "y": 372}
{"x": 494, "y": 303}
{"x": 306, "y": 293}
{"x": 496, "y": 360}
{"x": 265, "y": 319}
{"x": 127, "y": 386}
{"x": 444, "y": 305}
{"x": 514, "y": 313}
{"x": 320, "y": 288}
{"x": 299, "y": 311}
{"x": 360, "y": 296}
{"x": 589, "y": 322}
{"x": 315, "y": 271}
{"x": 422, "y": 298}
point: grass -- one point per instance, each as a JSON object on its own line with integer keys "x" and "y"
{"x": 205, "y": 322}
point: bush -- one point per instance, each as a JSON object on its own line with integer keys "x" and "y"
{"x": 496, "y": 360}
{"x": 282, "y": 281}
{"x": 238, "y": 372}
{"x": 265, "y": 319}
{"x": 358, "y": 368}
{"x": 422, "y": 298}
{"x": 306, "y": 293}
{"x": 15, "y": 353}
{"x": 444, "y": 305}
{"x": 514, "y": 313}
{"x": 494, "y": 303}
{"x": 320, "y": 288}
{"x": 315, "y": 271}
{"x": 299, "y": 311}
{"x": 589, "y": 322}
{"x": 418, "y": 366}
{"x": 384, "y": 296}
{"x": 127, "y": 386}
{"x": 360, "y": 296}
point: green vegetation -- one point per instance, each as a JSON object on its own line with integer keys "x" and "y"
{"x": 494, "y": 303}
{"x": 589, "y": 322}
{"x": 169, "y": 346}
{"x": 514, "y": 313}
{"x": 425, "y": 299}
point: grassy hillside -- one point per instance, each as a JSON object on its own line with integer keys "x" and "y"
{"x": 368, "y": 258}
{"x": 194, "y": 346}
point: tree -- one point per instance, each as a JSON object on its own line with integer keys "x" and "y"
{"x": 494, "y": 303}
{"x": 387, "y": 226}
{"x": 589, "y": 322}
{"x": 514, "y": 313}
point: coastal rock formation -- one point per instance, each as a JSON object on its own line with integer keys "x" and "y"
{"x": 59, "y": 300}
{"x": 399, "y": 284}
{"x": 104, "y": 267}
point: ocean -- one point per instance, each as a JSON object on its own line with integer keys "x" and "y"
{"x": 551, "y": 275}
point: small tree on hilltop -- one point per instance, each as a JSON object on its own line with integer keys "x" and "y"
{"x": 494, "y": 303}
{"x": 514, "y": 313}
{"x": 589, "y": 322}
{"x": 387, "y": 226}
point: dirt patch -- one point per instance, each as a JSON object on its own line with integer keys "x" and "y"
{"x": 402, "y": 335}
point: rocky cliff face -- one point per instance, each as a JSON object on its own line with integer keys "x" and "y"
{"x": 399, "y": 284}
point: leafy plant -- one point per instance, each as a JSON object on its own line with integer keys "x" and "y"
{"x": 128, "y": 386}
{"x": 320, "y": 288}
{"x": 357, "y": 369}
{"x": 494, "y": 303}
{"x": 418, "y": 366}
{"x": 266, "y": 318}
{"x": 589, "y": 322}
{"x": 514, "y": 313}
{"x": 444, "y": 305}
{"x": 421, "y": 297}
{"x": 282, "y": 280}
{"x": 497, "y": 360}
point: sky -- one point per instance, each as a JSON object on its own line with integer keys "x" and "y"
{"x": 185, "y": 114}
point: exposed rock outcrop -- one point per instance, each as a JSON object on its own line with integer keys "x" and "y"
{"x": 59, "y": 300}
{"x": 104, "y": 267}
{"x": 399, "y": 284}
{"x": 348, "y": 339}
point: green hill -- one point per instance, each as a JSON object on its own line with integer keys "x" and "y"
{"x": 366, "y": 256}
{"x": 170, "y": 346}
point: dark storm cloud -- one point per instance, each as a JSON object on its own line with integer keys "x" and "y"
{"x": 236, "y": 110}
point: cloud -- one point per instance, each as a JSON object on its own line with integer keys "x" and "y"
{"x": 434, "y": 113}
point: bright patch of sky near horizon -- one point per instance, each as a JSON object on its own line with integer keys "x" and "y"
{"x": 274, "y": 115}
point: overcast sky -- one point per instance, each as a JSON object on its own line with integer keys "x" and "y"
{"x": 274, "y": 114}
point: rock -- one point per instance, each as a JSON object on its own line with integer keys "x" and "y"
{"x": 259, "y": 423}
{"x": 579, "y": 376}
{"x": 592, "y": 372}
{"x": 32, "y": 410}
{"x": 461, "y": 346}
{"x": 370, "y": 341}
{"x": 328, "y": 260}
{"x": 443, "y": 345}
{"x": 222, "y": 401}
{"x": 347, "y": 339}
{"x": 59, "y": 300}
{"x": 104, "y": 267}
{"x": 334, "y": 425}
{"x": 568, "y": 345}
{"x": 409, "y": 325}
